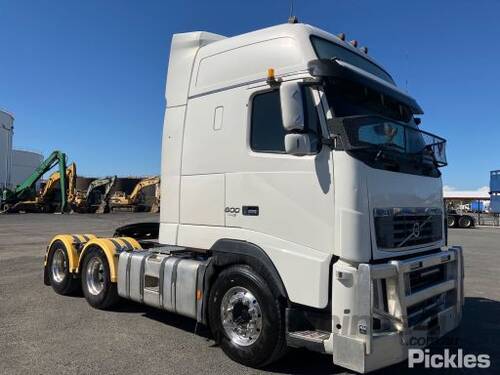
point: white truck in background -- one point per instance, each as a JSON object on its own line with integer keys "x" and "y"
{"x": 301, "y": 206}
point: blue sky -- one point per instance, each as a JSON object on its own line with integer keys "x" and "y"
{"x": 88, "y": 77}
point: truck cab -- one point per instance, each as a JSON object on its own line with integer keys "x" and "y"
{"x": 295, "y": 173}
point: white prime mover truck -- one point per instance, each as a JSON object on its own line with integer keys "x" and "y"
{"x": 301, "y": 206}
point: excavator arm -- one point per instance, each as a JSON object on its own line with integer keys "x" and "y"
{"x": 24, "y": 189}
{"x": 108, "y": 181}
{"x": 121, "y": 201}
{"x": 42, "y": 201}
{"x": 142, "y": 185}
{"x": 55, "y": 178}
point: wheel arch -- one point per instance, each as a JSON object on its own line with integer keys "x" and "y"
{"x": 228, "y": 252}
{"x": 72, "y": 243}
{"x": 111, "y": 247}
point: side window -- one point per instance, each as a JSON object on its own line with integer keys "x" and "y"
{"x": 267, "y": 133}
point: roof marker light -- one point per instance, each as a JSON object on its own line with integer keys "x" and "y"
{"x": 354, "y": 43}
{"x": 364, "y": 49}
{"x": 341, "y": 36}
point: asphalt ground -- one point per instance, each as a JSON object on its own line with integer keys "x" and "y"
{"x": 45, "y": 333}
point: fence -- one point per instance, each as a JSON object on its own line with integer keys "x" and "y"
{"x": 488, "y": 219}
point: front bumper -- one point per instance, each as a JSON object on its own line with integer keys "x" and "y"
{"x": 380, "y": 311}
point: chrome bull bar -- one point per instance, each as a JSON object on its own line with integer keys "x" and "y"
{"x": 420, "y": 297}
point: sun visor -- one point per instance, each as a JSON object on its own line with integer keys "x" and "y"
{"x": 335, "y": 68}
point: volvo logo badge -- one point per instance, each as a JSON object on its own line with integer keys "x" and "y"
{"x": 416, "y": 230}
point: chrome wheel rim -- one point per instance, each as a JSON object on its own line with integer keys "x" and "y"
{"x": 59, "y": 265}
{"x": 94, "y": 276}
{"x": 241, "y": 316}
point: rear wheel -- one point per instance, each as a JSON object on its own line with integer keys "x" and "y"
{"x": 245, "y": 318}
{"x": 451, "y": 221}
{"x": 97, "y": 287}
{"x": 465, "y": 222}
{"x": 61, "y": 280}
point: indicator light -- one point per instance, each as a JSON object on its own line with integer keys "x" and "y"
{"x": 270, "y": 74}
{"x": 271, "y": 78}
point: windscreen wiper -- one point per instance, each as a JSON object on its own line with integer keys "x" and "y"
{"x": 384, "y": 147}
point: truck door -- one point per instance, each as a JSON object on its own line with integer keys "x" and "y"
{"x": 281, "y": 198}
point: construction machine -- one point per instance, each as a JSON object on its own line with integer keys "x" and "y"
{"x": 95, "y": 199}
{"x": 120, "y": 201}
{"x": 25, "y": 191}
{"x": 47, "y": 199}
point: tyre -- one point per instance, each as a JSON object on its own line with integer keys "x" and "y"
{"x": 465, "y": 222}
{"x": 97, "y": 287}
{"x": 61, "y": 280}
{"x": 451, "y": 221}
{"x": 245, "y": 318}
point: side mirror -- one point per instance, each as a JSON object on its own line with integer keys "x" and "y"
{"x": 292, "y": 107}
{"x": 297, "y": 144}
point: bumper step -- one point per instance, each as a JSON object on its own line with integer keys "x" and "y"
{"x": 312, "y": 340}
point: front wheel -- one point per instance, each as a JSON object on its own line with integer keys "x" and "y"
{"x": 97, "y": 287}
{"x": 245, "y": 318}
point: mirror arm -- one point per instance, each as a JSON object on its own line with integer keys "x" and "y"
{"x": 328, "y": 142}
{"x": 332, "y": 143}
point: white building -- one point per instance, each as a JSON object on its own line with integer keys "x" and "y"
{"x": 6, "y": 131}
{"x": 23, "y": 165}
{"x": 15, "y": 165}
{"x": 467, "y": 195}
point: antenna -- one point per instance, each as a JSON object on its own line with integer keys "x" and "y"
{"x": 407, "y": 69}
{"x": 291, "y": 17}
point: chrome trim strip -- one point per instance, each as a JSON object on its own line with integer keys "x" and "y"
{"x": 407, "y": 211}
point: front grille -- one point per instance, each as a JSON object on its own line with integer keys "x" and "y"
{"x": 399, "y": 231}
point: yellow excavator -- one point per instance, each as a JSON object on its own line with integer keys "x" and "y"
{"x": 95, "y": 199}
{"x": 120, "y": 201}
{"x": 45, "y": 200}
